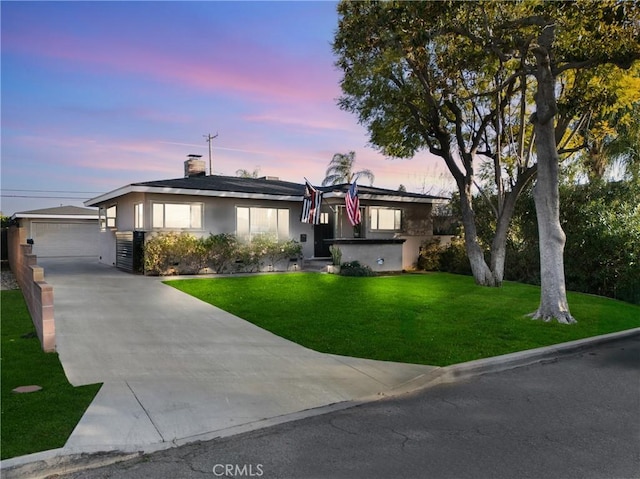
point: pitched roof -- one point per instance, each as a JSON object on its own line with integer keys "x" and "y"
{"x": 231, "y": 184}
{"x": 374, "y": 191}
{"x": 58, "y": 212}
{"x": 258, "y": 188}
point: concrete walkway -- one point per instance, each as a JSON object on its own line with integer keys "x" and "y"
{"x": 176, "y": 369}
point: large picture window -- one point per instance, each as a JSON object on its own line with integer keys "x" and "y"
{"x": 253, "y": 221}
{"x": 177, "y": 215}
{"x": 387, "y": 219}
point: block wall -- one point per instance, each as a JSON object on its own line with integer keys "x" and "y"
{"x": 38, "y": 294}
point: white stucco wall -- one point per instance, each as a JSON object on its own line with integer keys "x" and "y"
{"x": 219, "y": 216}
{"x": 379, "y": 257}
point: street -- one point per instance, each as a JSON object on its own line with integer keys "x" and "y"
{"x": 576, "y": 417}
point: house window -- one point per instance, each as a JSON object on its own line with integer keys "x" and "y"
{"x": 108, "y": 217}
{"x": 387, "y": 219}
{"x": 177, "y": 215}
{"x": 138, "y": 216}
{"x": 252, "y": 221}
{"x": 324, "y": 218}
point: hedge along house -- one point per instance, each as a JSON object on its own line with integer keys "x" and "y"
{"x": 394, "y": 223}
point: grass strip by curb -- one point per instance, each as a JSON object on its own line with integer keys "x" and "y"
{"x": 42, "y": 420}
{"x": 437, "y": 319}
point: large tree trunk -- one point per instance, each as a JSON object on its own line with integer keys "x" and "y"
{"x": 482, "y": 274}
{"x": 499, "y": 243}
{"x": 553, "y": 295}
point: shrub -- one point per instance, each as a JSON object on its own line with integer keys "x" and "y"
{"x": 429, "y": 257}
{"x": 264, "y": 251}
{"x": 354, "y": 268}
{"x": 454, "y": 259}
{"x": 290, "y": 249}
{"x": 602, "y": 224}
{"x": 174, "y": 253}
{"x": 221, "y": 251}
{"x": 247, "y": 260}
{"x": 451, "y": 258}
{"x": 182, "y": 253}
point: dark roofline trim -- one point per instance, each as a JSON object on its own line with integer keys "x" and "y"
{"x": 221, "y": 187}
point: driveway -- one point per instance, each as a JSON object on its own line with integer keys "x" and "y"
{"x": 176, "y": 369}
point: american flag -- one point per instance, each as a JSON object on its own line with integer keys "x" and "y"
{"x": 353, "y": 204}
{"x": 311, "y": 204}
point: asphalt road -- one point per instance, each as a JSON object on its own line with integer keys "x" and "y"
{"x": 577, "y": 417}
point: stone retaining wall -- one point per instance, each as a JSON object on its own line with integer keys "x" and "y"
{"x": 38, "y": 294}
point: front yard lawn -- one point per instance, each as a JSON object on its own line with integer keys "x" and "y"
{"x": 435, "y": 318}
{"x": 42, "y": 420}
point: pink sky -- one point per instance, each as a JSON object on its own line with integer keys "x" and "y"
{"x": 99, "y": 95}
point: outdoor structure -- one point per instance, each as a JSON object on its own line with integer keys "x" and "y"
{"x": 37, "y": 293}
{"x": 59, "y": 232}
{"x": 394, "y": 223}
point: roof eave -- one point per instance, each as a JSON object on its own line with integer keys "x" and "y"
{"x": 387, "y": 198}
{"x": 187, "y": 192}
{"x": 53, "y": 217}
{"x": 98, "y": 200}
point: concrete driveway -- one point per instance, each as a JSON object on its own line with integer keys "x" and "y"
{"x": 176, "y": 369}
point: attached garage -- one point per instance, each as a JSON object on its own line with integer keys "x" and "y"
{"x": 65, "y": 231}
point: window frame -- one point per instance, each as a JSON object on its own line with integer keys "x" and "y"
{"x": 164, "y": 225}
{"x": 138, "y": 216}
{"x": 108, "y": 217}
{"x": 374, "y": 225}
{"x": 282, "y": 224}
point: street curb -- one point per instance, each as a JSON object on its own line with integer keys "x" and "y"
{"x": 58, "y": 461}
{"x": 51, "y": 463}
{"x": 464, "y": 371}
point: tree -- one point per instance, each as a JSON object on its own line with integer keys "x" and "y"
{"x": 614, "y": 133}
{"x": 604, "y": 246}
{"x": 610, "y": 31}
{"x": 624, "y": 148}
{"x": 605, "y": 131}
{"x": 476, "y": 82}
{"x": 417, "y": 81}
{"x": 340, "y": 170}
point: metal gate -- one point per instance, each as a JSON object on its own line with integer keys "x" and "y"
{"x": 130, "y": 251}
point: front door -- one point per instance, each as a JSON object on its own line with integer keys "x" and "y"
{"x": 321, "y": 232}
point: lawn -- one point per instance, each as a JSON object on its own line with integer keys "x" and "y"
{"x": 436, "y": 318}
{"x": 40, "y": 420}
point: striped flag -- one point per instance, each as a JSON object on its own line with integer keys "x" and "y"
{"x": 311, "y": 204}
{"x": 353, "y": 204}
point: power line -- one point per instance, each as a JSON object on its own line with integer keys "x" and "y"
{"x": 48, "y": 197}
{"x": 53, "y": 191}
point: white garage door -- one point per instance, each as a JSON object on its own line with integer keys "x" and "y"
{"x": 65, "y": 239}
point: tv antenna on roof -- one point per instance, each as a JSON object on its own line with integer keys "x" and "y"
{"x": 209, "y": 137}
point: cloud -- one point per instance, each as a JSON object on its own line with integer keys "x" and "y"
{"x": 256, "y": 70}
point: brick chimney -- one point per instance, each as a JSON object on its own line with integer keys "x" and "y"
{"x": 194, "y": 166}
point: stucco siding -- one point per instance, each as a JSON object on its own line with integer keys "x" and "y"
{"x": 218, "y": 216}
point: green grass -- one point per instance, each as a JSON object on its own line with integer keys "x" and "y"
{"x": 437, "y": 319}
{"x": 41, "y": 420}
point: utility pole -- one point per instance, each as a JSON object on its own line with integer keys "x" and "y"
{"x": 209, "y": 138}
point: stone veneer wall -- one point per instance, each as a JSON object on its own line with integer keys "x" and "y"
{"x": 37, "y": 293}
